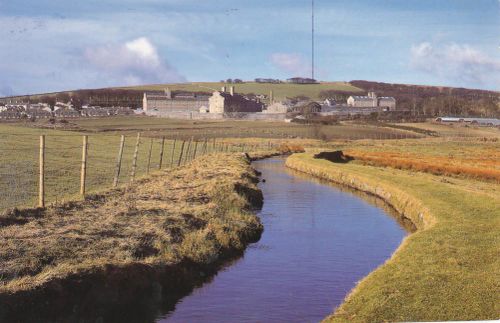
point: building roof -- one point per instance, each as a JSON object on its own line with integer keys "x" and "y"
{"x": 492, "y": 121}
{"x": 360, "y": 97}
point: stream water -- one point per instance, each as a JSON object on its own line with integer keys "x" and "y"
{"x": 317, "y": 243}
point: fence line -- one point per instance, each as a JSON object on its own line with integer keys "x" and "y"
{"x": 56, "y": 170}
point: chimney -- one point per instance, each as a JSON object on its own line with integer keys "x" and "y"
{"x": 145, "y": 102}
{"x": 231, "y": 90}
{"x": 223, "y": 89}
{"x": 168, "y": 93}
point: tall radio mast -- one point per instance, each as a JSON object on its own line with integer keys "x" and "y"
{"x": 312, "y": 39}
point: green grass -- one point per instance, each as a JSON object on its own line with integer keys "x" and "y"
{"x": 280, "y": 91}
{"x": 19, "y": 162}
{"x": 448, "y": 269}
{"x": 235, "y": 128}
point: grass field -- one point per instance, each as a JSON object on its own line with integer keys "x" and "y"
{"x": 280, "y": 91}
{"x": 19, "y": 161}
{"x": 449, "y": 268}
{"x": 19, "y": 148}
{"x": 174, "y": 128}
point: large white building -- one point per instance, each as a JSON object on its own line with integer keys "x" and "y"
{"x": 166, "y": 101}
{"x": 224, "y": 102}
{"x": 372, "y": 101}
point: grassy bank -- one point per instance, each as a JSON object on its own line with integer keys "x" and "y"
{"x": 171, "y": 222}
{"x": 448, "y": 269}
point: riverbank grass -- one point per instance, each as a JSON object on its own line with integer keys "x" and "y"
{"x": 195, "y": 214}
{"x": 449, "y": 269}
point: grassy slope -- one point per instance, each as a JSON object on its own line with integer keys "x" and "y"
{"x": 192, "y": 213}
{"x": 280, "y": 91}
{"x": 448, "y": 269}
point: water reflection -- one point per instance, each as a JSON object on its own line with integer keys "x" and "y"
{"x": 319, "y": 240}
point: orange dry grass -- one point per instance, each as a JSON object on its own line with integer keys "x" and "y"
{"x": 486, "y": 168}
{"x": 290, "y": 148}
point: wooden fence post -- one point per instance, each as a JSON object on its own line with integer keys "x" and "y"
{"x": 195, "y": 149}
{"x": 41, "y": 187}
{"x": 149, "y": 156}
{"x": 134, "y": 160}
{"x": 188, "y": 151}
{"x": 173, "y": 153}
{"x": 161, "y": 152}
{"x": 214, "y": 145}
{"x": 83, "y": 175}
{"x": 204, "y": 148}
{"x": 180, "y": 155}
{"x": 119, "y": 162}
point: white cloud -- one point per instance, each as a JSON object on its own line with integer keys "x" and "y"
{"x": 134, "y": 62}
{"x": 291, "y": 63}
{"x": 460, "y": 64}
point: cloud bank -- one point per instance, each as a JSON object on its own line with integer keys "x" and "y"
{"x": 457, "y": 63}
{"x": 134, "y": 62}
{"x": 292, "y": 63}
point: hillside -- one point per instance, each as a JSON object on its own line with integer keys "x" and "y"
{"x": 280, "y": 91}
{"x": 426, "y": 101}
{"x": 438, "y": 100}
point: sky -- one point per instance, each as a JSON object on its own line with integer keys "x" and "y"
{"x": 56, "y": 45}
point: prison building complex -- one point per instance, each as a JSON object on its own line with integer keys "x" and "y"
{"x": 372, "y": 101}
{"x": 165, "y": 102}
{"x": 224, "y": 102}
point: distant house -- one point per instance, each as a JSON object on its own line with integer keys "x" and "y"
{"x": 372, "y": 101}
{"x": 330, "y": 102}
{"x": 67, "y": 113}
{"x": 301, "y": 80}
{"x": 38, "y": 113}
{"x": 224, "y": 102}
{"x": 278, "y": 107}
{"x": 264, "y": 80}
{"x": 306, "y": 108}
{"x": 475, "y": 121}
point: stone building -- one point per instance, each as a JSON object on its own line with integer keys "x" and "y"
{"x": 306, "y": 108}
{"x": 166, "y": 102}
{"x": 301, "y": 80}
{"x": 224, "y": 102}
{"x": 278, "y": 107}
{"x": 372, "y": 101}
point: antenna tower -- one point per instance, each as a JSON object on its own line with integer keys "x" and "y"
{"x": 312, "y": 39}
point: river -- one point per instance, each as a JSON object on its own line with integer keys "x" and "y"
{"x": 318, "y": 241}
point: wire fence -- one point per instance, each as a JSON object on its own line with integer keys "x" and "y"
{"x": 37, "y": 171}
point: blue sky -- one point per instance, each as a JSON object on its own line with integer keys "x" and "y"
{"x": 58, "y": 45}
